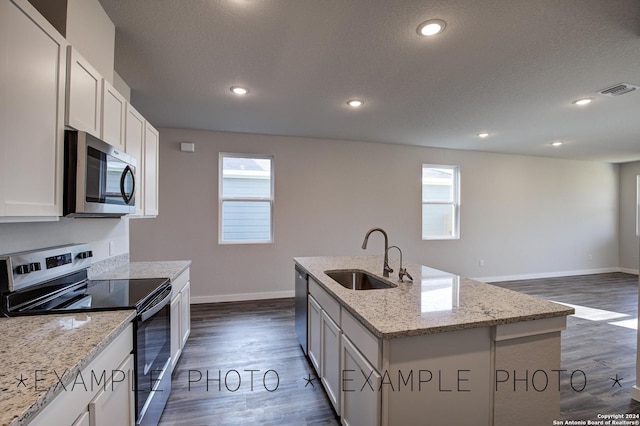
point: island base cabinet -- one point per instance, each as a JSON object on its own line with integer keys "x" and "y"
{"x": 313, "y": 334}
{"x": 361, "y": 383}
{"x": 330, "y": 359}
{"x": 442, "y": 379}
{"x": 527, "y": 377}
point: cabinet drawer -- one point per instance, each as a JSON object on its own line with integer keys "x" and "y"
{"x": 179, "y": 283}
{"x": 325, "y": 300}
{"x": 363, "y": 339}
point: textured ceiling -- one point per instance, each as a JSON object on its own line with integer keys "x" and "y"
{"x": 510, "y": 67}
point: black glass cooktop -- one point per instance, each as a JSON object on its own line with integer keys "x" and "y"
{"x": 86, "y": 295}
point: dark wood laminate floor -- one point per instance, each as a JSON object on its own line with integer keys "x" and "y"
{"x": 232, "y": 339}
{"x": 228, "y": 340}
{"x": 598, "y": 348}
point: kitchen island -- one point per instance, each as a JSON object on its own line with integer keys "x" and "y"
{"x": 443, "y": 348}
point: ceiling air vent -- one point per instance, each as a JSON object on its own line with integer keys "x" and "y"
{"x": 618, "y": 89}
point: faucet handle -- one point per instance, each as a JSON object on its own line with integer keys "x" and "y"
{"x": 402, "y": 273}
{"x": 388, "y": 268}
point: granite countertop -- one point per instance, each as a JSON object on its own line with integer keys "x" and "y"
{"x": 138, "y": 270}
{"x": 434, "y": 302}
{"x": 54, "y": 345}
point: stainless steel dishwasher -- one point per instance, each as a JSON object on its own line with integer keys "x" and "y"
{"x": 301, "y": 307}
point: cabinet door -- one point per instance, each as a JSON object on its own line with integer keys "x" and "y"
{"x": 151, "y": 147}
{"x": 315, "y": 326}
{"x": 134, "y": 145}
{"x": 185, "y": 314}
{"x": 84, "y": 95}
{"x": 176, "y": 341}
{"x": 114, "y": 112}
{"x": 330, "y": 359}
{"x": 82, "y": 420}
{"x": 32, "y": 88}
{"x": 361, "y": 388}
{"x": 114, "y": 404}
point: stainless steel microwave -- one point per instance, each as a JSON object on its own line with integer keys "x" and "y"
{"x": 99, "y": 180}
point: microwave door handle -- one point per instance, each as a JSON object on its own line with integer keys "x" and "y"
{"x": 127, "y": 197}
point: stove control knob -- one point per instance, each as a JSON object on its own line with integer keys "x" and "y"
{"x": 35, "y": 266}
{"x": 85, "y": 254}
{"x": 22, "y": 269}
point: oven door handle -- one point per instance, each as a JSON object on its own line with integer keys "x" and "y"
{"x": 157, "y": 307}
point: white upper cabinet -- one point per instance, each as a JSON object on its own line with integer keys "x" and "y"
{"x": 114, "y": 112}
{"x": 151, "y": 147}
{"x": 32, "y": 88}
{"x": 84, "y": 95}
{"x": 135, "y": 130}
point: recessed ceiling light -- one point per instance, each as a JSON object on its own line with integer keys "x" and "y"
{"x": 355, "y": 103}
{"x": 431, "y": 27}
{"x": 583, "y": 101}
{"x": 556, "y": 143}
{"x": 239, "y": 90}
{"x": 483, "y": 135}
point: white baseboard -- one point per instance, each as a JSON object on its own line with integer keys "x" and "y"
{"x": 241, "y": 297}
{"x": 635, "y": 393}
{"x": 290, "y": 293}
{"x": 552, "y": 274}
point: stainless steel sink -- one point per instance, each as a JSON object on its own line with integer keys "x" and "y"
{"x": 358, "y": 280}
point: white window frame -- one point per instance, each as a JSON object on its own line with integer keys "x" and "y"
{"x": 221, "y": 199}
{"x": 638, "y": 205}
{"x": 455, "y": 203}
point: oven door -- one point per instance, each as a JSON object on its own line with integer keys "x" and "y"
{"x": 153, "y": 359}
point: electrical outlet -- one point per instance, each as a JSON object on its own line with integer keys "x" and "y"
{"x": 112, "y": 248}
{"x": 590, "y": 257}
{"x": 481, "y": 263}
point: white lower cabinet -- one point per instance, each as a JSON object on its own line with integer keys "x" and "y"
{"x": 180, "y": 315}
{"x": 361, "y": 388}
{"x": 100, "y": 394}
{"x": 314, "y": 333}
{"x": 330, "y": 359}
{"x": 176, "y": 347}
{"x": 114, "y": 404}
{"x": 185, "y": 313}
{"x": 83, "y": 420}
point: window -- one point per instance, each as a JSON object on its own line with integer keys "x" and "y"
{"x": 638, "y": 205}
{"x": 440, "y": 202}
{"x": 245, "y": 194}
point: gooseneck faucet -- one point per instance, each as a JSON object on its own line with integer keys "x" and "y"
{"x": 402, "y": 272}
{"x": 386, "y": 268}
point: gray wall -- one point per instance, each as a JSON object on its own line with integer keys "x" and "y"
{"x": 628, "y": 198}
{"x": 524, "y": 216}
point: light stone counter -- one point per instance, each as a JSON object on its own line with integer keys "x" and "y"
{"x": 44, "y": 347}
{"x": 138, "y": 270}
{"x": 435, "y": 302}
